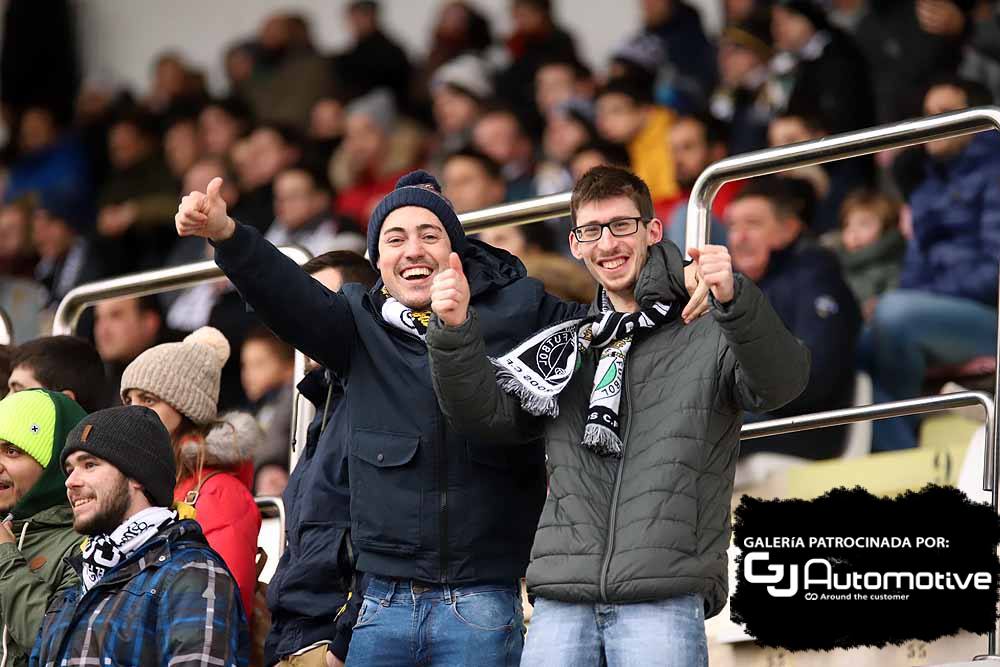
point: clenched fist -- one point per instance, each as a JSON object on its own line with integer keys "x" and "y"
{"x": 450, "y": 293}
{"x": 204, "y": 214}
{"x": 715, "y": 267}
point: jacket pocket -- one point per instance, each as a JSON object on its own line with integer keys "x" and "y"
{"x": 386, "y": 503}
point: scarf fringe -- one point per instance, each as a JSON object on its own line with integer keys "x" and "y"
{"x": 532, "y": 403}
{"x": 602, "y": 440}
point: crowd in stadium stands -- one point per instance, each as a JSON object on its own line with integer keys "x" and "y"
{"x": 885, "y": 264}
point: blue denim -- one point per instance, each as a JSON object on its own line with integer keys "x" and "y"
{"x": 407, "y": 623}
{"x": 665, "y": 633}
{"x": 910, "y": 331}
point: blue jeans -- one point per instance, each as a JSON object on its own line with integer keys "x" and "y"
{"x": 666, "y": 633}
{"x": 407, "y": 623}
{"x": 910, "y": 331}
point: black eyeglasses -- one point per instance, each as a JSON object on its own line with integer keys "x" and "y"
{"x": 618, "y": 227}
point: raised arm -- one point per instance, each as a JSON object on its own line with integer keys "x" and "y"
{"x": 300, "y": 310}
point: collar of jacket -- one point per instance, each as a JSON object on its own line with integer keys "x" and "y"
{"x": 58, "y": 516}
{"x": 486, "y": 268}
{"x": 984, "y": 147}
{"x": 661, "y": 279}
{"x": 153, "y": 554}
{"x": 315, "y": 384}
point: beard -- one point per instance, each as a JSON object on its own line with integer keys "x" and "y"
{"x": 110, "y": 512}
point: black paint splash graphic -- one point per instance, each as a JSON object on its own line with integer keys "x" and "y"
{"x": 868, "y": 616}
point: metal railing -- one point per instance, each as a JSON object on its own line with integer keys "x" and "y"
{"x": 827, "y": 149}
{"x": 6, "y": 329}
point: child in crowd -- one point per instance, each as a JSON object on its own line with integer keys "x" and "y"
{"x": 870, "y": 246}
{"x": 268, "y": 367}
{"x": 180, "y": 382}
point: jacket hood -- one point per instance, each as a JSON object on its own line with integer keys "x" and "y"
{"x": 230, "y": 441}
{"x": 661, "y": 279}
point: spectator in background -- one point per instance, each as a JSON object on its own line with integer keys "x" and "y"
{"x": 123, "y": 328}
{"x": 499, "y": 134}
{"x": 4, "y": 369}
{"x": 688, "y": 54}
{"x": 17, "y": 256}
{"x": 302, "y": 214}
{"x": 267, "y": 371}
{"x": 742, "y": 100}
{"x": 377, "y": 149}
{"x": 473, "y": 181}
{"x": 568, "y": 127}
{"x": 49, "y": 160}
{"x": 212, "y": 453}
{"x": 288, "y": 75}
{"x": 310, "y": 620}
{"x": 458, "y": 91}
{"x": 697, "y": 142}
{"x": 945, "y": 309}
{"x": 374, "y": 60}
{"x": 597, "y": 153}
{"x": 907, "y": 44}
{"x": 804, "y": 284}
{"x": 536, "y": 39}
{"x": 626, "y": 115}
{"x": 239, "y": 61}
{"x": 819, "y": 68}
{"x": 221, "y": 123}
{"x": 136, "y": 200}
{"x": 66, "y": 364}
{"x": 870, "y": 246}
{"x": 145, "y": 568}
{"x": 559, "y": 81}
{"x": 181, "y": 146}
{"x": 326, "y": 130}
{"x": 40, "y": 540}
{"x": 265, "y": 153}
{"x": 175, "y": 86}
{"x": 66, "y": 257}
{"x": 460, "y": 30}
{"x": 831, "y": 181}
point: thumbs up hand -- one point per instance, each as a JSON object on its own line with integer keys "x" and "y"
{"x": 450, "y": 293}
{"x": 204, "y": 214}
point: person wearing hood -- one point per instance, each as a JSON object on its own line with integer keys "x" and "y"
{"x": 945, "y": 310}
{"x": 213, "y": 454}
{"x": 442, "y": 527}
{"x": 33, "y": 545}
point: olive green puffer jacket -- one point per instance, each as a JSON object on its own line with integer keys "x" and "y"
{"x": 655, "y": 523}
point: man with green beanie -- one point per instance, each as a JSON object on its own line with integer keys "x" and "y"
{"x": 38, "y": 534}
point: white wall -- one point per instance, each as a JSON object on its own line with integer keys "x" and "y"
{"x": 120, "y": 38}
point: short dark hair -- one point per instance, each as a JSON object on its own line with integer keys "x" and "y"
{"x": 63, "y": 363}
{"x": 605, "y": 182}
{"x": 353, "y": 267}
{"x": 976, "y": 94}
{"x": 812, "y": 121}
{"x": 630, "y": 87}
{"x": 280, "y": 348}
{"x": 614, "y": 155}
{"x": 488, "y": 164}
{"x": 317, "y": 178}
{"x": 789, "y": 197}
{"x": 885, "y": 207}
{"x": 716, "y": 131}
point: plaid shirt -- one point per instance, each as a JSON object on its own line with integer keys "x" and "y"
{"x": 172, "y": 602}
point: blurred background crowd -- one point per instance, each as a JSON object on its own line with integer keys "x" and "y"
{"x": 308, "y": 141}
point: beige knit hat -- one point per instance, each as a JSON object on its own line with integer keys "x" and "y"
{"x": 185, "y": 375}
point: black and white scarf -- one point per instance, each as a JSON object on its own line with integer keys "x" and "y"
{"x": 103, "y": 552}
{"x": 537, "y": 370}
{"x": 402, "y": 317}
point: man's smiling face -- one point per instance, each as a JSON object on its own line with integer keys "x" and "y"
{"x": 412, "y": 248}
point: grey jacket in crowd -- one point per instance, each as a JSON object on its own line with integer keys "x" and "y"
{"x": 656, "y": 522}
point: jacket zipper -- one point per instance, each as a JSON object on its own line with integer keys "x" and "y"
{"x": 443, "y": 509}
{"x": 618, "y": 484}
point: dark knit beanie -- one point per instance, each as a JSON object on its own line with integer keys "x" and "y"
{"x": 133, "y": 439}
{"x": 813, "y": 12}
{"x": 417, "y": 188}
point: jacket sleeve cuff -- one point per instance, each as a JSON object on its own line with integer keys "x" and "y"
{"x": 444, "y": 337}
{"x": 340, "y": 644}
{"x": 731, "y": 309}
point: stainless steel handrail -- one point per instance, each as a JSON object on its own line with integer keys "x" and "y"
{"x": 6, "y": 329}
{"x": 827, "y": 149}
{"x": 522, "y": 212}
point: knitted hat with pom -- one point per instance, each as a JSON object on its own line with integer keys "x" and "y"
{"x": 417, "y": 188}
{"x": 184, "y": 375}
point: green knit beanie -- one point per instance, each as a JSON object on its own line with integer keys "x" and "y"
{"x": 37, "y": 422}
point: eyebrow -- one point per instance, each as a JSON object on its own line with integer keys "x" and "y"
{"x": 610, "y": 220}
{"x": 420, "y": 228}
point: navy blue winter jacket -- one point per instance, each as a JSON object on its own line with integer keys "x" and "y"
{"x": 426, "y": 503}
{"x": 956, "y": 225}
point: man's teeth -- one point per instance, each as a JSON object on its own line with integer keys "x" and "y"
{"x": 81, "y": 501}
{"x": 416, "y": 272}
{"x": 612, "y": 263}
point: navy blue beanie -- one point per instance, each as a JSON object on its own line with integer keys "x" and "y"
{"x": 417, "y": 188}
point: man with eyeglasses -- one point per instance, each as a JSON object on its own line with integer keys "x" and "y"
{"x": 630, "y": 553}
